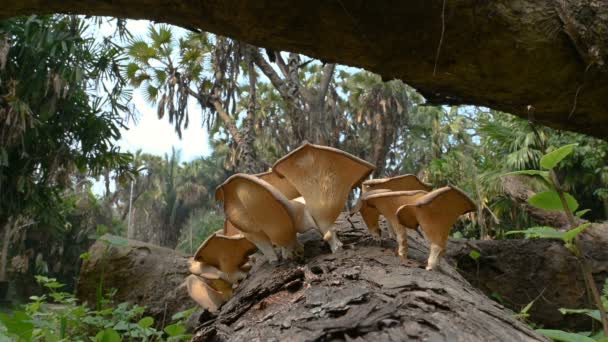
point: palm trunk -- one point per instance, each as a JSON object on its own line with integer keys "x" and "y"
{"x": 5, "y": 244}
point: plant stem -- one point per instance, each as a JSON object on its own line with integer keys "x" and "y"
{"x": 587, "y": 274}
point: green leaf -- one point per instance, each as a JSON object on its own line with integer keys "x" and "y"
{"x": 20, "y": 325}
{"x": 474, "y": 255}
{"x": 595, "y": 314}
{"x": 114, "y": 240}
{"x": 146, "y": 322}
{"x": 108, "y": 335}
{"x": 183, "y": 314}
{"x": 551, "y": 159}
{"x": 175, "y": 329}
{"x": 559, "y": 335}
{"x": 542, "y": 232}
{"x": 549, "y": 200}
{"x": 572, "y": 233}
{"x": 580, "y": 213}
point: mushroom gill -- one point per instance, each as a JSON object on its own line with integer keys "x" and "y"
{"x": 369, "y": 214}
{"x": 281, "y": 184}
{"x": 387, "y": 204}
{"x": 324, "y": 176}
{"x": 263, "y": 214}
{"x": 226, "y": 254}
{"x": 436, "y": 212}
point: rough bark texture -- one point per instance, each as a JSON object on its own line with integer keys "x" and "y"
{"x": 142, "y": 273}
{"x": 544, "y": 60}
{"x": 362, "y": 293}
{"x": 520, "y": 271}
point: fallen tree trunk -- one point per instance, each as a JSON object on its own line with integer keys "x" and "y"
{"x": 141, "y": 273}
{"x": 362, "y": 293}
{"x": 541, "y": 60}
{"x": 518, "y": 272}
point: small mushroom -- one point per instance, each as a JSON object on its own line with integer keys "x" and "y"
{"x": 204, "y": 294}
{"x": 398, "y": 183}
{"x": 224, "y": 254}
{"x": 369, "y": 214}
{"x": 280, "y": 184}
{"x": 436, "y": 212}
{"x": 324, "y": 176}
{"x": 263, "y": 214}
{"x": 387, "y": 204}
{"x": 406, "y": 182}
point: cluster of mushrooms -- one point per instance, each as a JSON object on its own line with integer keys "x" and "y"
{"x": 308, "y": 189}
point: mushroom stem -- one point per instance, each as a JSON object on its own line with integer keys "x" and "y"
{"x": 434, "y": 256}
{"x": 262, "y": 242}
{"x": 294, "y": 251}
{"x": 401, "y": 235}
{"x": 331, "y": 238}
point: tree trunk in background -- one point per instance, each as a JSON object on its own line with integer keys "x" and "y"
{"x": 363, "y": 293}
{"x": 142, "y": 273}
{"x": 6, "y": 241}
{"x": 521, "y": 271}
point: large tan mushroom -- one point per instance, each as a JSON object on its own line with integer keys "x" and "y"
{"x": 204, "y": 294}
{"x": 436, "y": 212}
{"x": 280, "y": 183}
{"x": 230, "y": 229}
{"x": 398, "y": 183}
{"x": 324, "y": 176}
{"x": 263, "y": 214}
{"x": 225, "y": 254}
{"x": 387, "y": 204}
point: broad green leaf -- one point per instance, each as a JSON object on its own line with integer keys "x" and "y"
{"x": 20, "y": 325}
{"x": 595, "y": 314}
{"x": 108, "y": 335}
{"x": 146, "y": 322}
{"x": 175, "y": 329}
{"x": 580, "y": 213}
{"x": 474, "y": 255}
{"x": 559, "y": 335}
{"x": 542, "y": 232}
{"x": 114, "y": 240}
{"x": 572, "y": 233}
{"x": 183, "y": 314}
{"x": 551, "y": 159}
{"x": 549, "y": 200}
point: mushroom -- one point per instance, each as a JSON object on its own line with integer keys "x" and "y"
{"x": 398, "y": 183}
{"x": 263, "y": 214}
{"x": 204, "y": 294}
{"x": 369, "y": 214}
{"x": 436, "y": 212}
{"x": 222, "y": 256}
{"x": 281, "y": 184}
{"x": 230, "y": 229}
{"x": 387, "y": 204}
{"x": 324, "y": 176}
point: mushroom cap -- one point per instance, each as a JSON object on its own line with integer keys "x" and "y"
{"x": 436, "y": 212}
{"x": 324, "y": 176}
{"x": 226, "y": 253}
{"x": 387, "y": 203}
{"x": 203, "y": 294}
{"x": 230, "y": 229}
{"x": 254, "y": 206}
{"x": 280, "y": 183}
{"x": 407, "y": 182}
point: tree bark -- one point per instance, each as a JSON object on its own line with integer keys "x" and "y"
{"x": 543, "y": 60}
{"x": 142, "y": 273}
{"x": 361, "y": 293}
{"x": 518, "y": 272}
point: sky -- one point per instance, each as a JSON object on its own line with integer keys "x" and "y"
{"x": 155, "y": 136}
